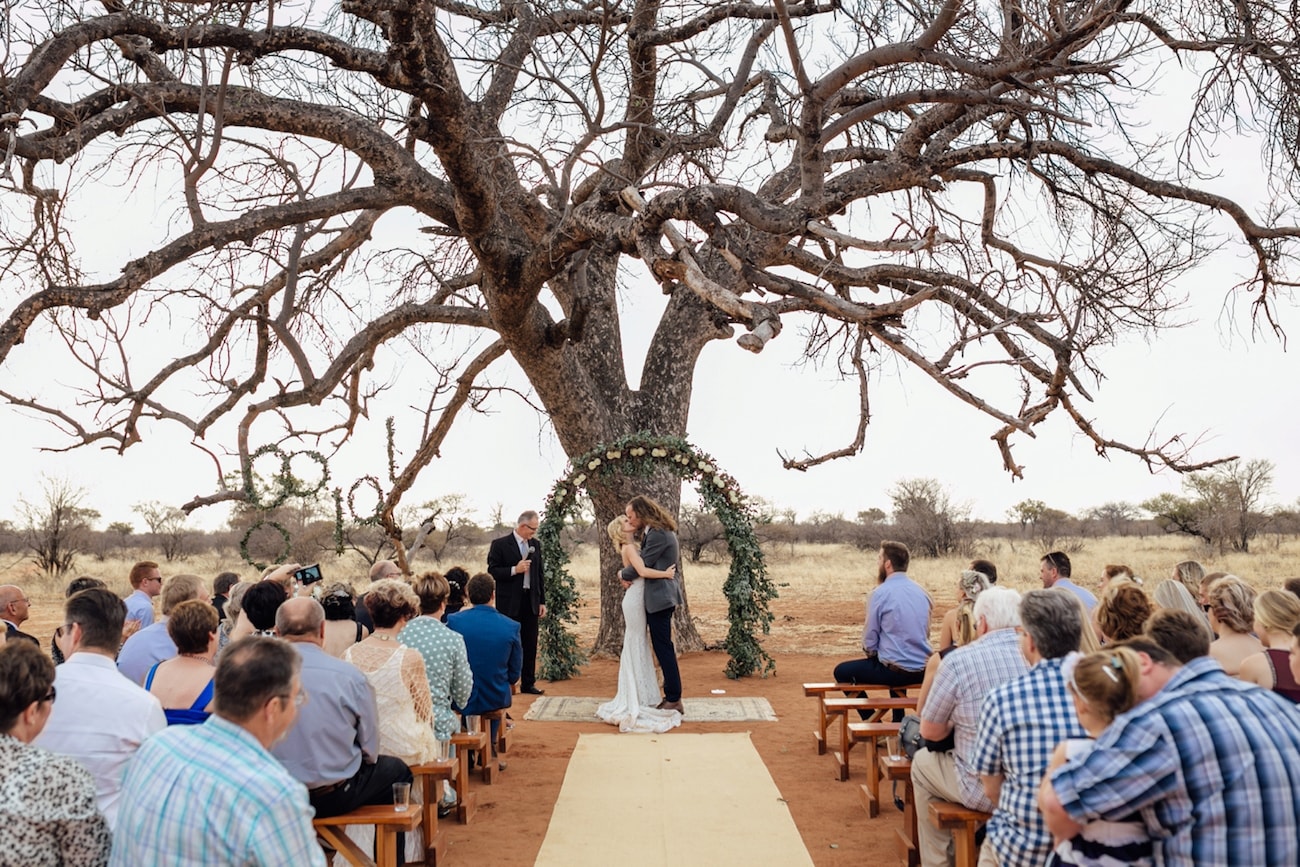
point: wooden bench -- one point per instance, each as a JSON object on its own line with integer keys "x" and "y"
{"x": 899, "y": 772}
{"x": 429, "y": 778}
{"x": 962, "y": 821}
{"x": 466, "y": 742}
{"x": 820, "y": 691}
{"x": 388, "y": 824}
{"x": 490, "y": 768}
{"x": 868, "y": 733}
{"x": 838, "y": 710}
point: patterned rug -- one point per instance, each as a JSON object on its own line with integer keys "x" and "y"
{"x": 566, "y": 708}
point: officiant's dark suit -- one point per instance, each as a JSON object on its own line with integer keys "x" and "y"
{"x": 523, "y": 604}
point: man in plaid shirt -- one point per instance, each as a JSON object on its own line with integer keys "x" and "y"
{"x": 1021, "y": 723}
{"x": 1212, "y": 763}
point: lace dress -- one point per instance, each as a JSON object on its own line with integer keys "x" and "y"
{"x": 405, "y": 719}
{"x": 633, "y": 708}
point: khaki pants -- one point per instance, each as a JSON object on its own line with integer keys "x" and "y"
{"x": 934, "y": 778}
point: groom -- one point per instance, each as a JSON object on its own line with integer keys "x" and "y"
{"x": 652, "y": 524}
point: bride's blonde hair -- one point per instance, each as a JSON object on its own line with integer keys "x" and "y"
{"x": 615, "y": 531}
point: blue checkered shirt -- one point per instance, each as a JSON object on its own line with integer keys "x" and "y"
{"x": 1211, "y": 762}
{"x": 211, "y": 794}
{"x": 965, "y": 677}
{"x": 1021, "y": 723}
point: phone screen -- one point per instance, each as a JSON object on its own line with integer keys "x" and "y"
{"x": 308, "y": 574}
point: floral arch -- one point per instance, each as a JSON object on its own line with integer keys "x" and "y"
{"x": 747, "y": 588}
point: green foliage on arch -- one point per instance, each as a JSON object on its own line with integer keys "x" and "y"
{"x": 748, "y": 588}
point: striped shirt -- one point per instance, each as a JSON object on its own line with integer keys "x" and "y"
{"x": 1211, "y": 762}
{"x": 1021, "y": 723}
{"x": 210, "y": 794}
{"x": 964, "y": 678}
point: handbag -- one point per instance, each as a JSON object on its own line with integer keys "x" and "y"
{"x": 909, "y": 737}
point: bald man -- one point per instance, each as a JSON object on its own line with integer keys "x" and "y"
{"x": 14, "y": 611}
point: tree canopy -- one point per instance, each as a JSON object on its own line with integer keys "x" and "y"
{"x": 345, "y": 193}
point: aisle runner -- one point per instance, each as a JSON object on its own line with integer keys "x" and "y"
{"x": 675, "y": 799}
{"x": 569, "y": 708}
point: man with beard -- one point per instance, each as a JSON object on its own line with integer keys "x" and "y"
{"x": 895, "y": 638}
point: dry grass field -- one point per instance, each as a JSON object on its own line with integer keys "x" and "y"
{"x": 821, "y": 586}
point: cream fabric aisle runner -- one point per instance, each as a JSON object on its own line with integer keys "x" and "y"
{"x": 672, "y": 799}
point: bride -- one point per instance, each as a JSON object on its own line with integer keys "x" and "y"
{"x": 633, "y": 709}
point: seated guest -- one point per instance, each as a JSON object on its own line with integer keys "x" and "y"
{"x": 1232, "y": 616}
{"x": 970, "y": 584}
{"x": 1103, "y": 685}
{"x": 1054, "y": 571}
{"x": 184, "y": 683}
{"x": 47, "y": 800}
{"x": 1121, "y": 612}
{"x": 1292, "y": 586}
{"x": 1179, "y": 758}
{"x": 76, "y": 585}
{"x": 1173, "y": 594}
{"x": 1277, "y": 613}
{"x": 152, "y": 644}
{"x": 146, "y": 583}
{"x": 495, "y": 651}
{"x": 1208, "y": 579}
{"x": 342, "y": 630}
{"x": 397, "y": 675}
{"x": 260, "y": 604}
{"x": 1020, "y": 724}
{"x": 896, "y": 636}
{"x": 333, "y": 747}
{"x": 236, "y": 625}
{"x": 446, "y": 664}
{"x": 1088, "y": 641}
{"x": 101, "y": 718}
{"x": 1118, "y": 573}
{"x": 1182, "y": 634}
{"x": 213, "y": 793}
{"x": 221, "y": 591}
{"x": 457, "y": 578}
{"x": 967, "y": 675}
{"x": 14, "y": 611}
{"x": 1189, "y": 573}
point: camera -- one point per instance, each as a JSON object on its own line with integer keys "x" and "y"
{"x": 308, "y": 574}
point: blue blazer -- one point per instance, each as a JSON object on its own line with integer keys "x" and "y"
{"x": 495, "y": 652}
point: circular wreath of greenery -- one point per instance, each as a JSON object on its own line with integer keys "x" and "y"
{"x": 284, "y": 535}
{"x": 285, "y": 481}
{"x": 748, "y": 588}
{"x": 372, "y": 517}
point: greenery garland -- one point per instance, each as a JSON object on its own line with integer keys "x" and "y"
{"x": 284, "y": 534}
{"x": 748, "y": 588}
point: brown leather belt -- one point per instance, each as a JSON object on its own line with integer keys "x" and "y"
{"x": 325, "y": 790}
{"x": 898, "y": 668}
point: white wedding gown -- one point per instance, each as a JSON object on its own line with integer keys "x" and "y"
{"x": 633, "y": 709}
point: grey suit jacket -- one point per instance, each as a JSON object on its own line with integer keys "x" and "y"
{"x": 659, "y": 551}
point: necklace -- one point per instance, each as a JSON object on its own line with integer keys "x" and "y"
{"x": 197, "y": 656}
{"x": 383, "y": 637}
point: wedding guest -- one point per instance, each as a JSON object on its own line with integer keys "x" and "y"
{"x": 342, "y": 629}
{"x": 1054, "y": 571}
{"x": 948, "y": 628}
{"x": 15, "y": 608}
{"x": 969, "y": 585}
{"x": 965, "y": 678}
{"x": 1180, "y": 759}
{"x": 213, "y": 793}
{"x": 221, "y": 591}
{"x": 1181, "y": 633}
{"x": 184, "y": 684}
{"x": 1292, "y": 586}
{"x": 236, "y": 625}
{"x": 260, "y": 604}
{"x": 1189, "y": 573}
{"x": 515, "y": 562}
{"x": 101, "y": 718}
{"x": 47, "y": 800}
{"x": 1088, "y": 641}
{"x": 1277, "y": 613}
{"x": 152, "y": 644}
{"x": 1020, "y": 724}
{"x": 1206, "y": 580}
{"x": 1118, "y": 573}
{"x": 987, "y": 567}
{"x": 1232, "y": 616}
{"x": 1174, "y": 594}
{"x": 494, "y": 650}
{"x": 1122, "y": 611}
{"x": 146, "y": 583}
{"x": 76, "y": 585}
{"x": 457, "y": 578}
{"x": 896, "y": 634}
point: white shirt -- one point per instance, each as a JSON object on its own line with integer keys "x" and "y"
{"x": 100, "y": 719}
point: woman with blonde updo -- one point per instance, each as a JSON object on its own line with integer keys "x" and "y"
{"x": 1103, "y": 685}
{"x": 1277, "y": 613}
{"x": 1232, "y": 617}
{"x": 634, "y": 707}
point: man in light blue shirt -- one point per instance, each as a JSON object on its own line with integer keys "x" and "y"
{"x": 212, "y": 793}
{"x": 895, "y": 637}
{"x": 152, "y": 644}
{"x": 146, "y": 583}
{"x": 1054, "y": 571}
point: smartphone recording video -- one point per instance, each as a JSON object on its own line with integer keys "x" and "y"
{"x": 308, "y": 574}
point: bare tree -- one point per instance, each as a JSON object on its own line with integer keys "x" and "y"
{"x": 168, "y": 524}
{"x": 57, "y": 526}
{"x": 927, "y": 520}
{"x": 1224, "y": 506}
{"x": 961, "y": 188}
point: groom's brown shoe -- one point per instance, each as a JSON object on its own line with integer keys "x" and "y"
{"x": 672, "y": 705}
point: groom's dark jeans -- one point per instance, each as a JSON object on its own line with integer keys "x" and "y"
{"x": 661, "y": 638}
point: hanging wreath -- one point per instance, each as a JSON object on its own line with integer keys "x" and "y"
{"x": 748, "y": 589}
{"x": 284, "y": 535}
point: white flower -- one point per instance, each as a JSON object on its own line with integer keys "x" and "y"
{"x": 717, "y": 480}
{"x": 578, "y": 480}
{"x": 593, "y": 464}
{"x": 733, "y": 497}
{"x": 614, "y": 455}
{"x": 704, "y": 465}
{"x": 637, "y": 452}
{"x": 658, "y": 453}
{"x": 559, "y": 493}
